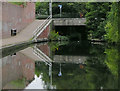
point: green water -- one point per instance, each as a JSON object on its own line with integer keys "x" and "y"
{"x": 75, "y": 65}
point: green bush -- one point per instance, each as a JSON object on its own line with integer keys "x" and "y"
{"x": 56, "y": 36}
{"x": 112, "y": 24}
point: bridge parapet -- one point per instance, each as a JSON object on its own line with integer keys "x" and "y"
{"x": 69, "y": 59}
{"x": 69, "y": 21}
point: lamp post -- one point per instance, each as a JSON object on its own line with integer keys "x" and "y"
{"x": 60, "y": 6}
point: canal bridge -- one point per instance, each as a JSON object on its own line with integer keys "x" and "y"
{"x": 43, "y": 30}
{"x": 39, "y": 30}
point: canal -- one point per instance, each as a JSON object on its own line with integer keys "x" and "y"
{"x": 61, "y": 65}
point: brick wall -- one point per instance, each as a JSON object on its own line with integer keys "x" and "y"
{"x": 45, "y": 33}
{"x": 16, "y": 17}
{"x": 16, "y": 67}
{"x": 45, "y": 49}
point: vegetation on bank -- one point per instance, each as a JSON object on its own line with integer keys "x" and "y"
{"x": 56, "y": 36}
{"x": 96, "y": 16}
{"x": 112, "y": 56}
{"x": 111, "y": 26}
{"x": 102, "y": 21}
{"x": 102, "y": 17}
{"x": 19, "y": 3}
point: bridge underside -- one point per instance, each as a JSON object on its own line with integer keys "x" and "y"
{"x": 74, "y": 49}
{"x": 73, "y": 32}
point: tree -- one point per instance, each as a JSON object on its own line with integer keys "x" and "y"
{"x": 42, "y": 8}
{"x": 119, "y": 20}
{"x": 112, "y": 24}
{"x": 95, "y": 16}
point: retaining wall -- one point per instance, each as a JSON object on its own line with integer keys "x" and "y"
{"x": 16, "y": 17}
{"x": 16, "y": 67}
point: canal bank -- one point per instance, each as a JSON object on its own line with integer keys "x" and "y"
{"x": 24, "y": 36}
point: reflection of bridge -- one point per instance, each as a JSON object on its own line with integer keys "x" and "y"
{"x": 69, "y": 59}
{"x": 37, "y": 53}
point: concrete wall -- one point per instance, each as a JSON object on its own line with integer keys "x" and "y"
{"x": 69, "y": 21}
{"x": 16, "y": 17}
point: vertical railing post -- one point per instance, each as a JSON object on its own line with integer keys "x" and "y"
{"x": 50, "y": 8}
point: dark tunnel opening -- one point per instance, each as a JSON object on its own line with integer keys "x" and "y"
{"x": 74, "y": 33}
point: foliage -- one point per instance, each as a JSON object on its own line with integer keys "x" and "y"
{"x": 42, "y": 16}
{"x": 112, "y": 24}
{"x": 56, "y": 36}
{"x": 75, "y": 7}
{"x": 100, "y": 65}
{"x": 95, "y": 16}
{"x": 101, "y": 17}
{"x": 18, "y": 84}
{"x": 119, "y": 21}
{"x": 19, "y": 3}
{"x": 67, "y": 15}
{"x": 68, "y": 8}
{"x": 55, "y": 45}
{"x": 112, "y": 60}
{"x": 42, "y": 8}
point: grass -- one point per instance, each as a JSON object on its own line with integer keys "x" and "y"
{"x": 20, "y": 83}
{"x": 19, "y": 3}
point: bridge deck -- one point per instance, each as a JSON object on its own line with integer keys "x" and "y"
{"x": 69, "y": 21}
{"x": 24, "y": 35}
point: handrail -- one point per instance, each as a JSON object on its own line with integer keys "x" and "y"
{"x": 41, "y": 26}
{"x": 39, "y": 53}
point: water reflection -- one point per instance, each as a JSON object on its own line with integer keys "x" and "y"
{"x": 60, "y": 65}
{"x": 17, "y": 71}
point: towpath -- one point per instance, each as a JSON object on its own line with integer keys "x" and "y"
{"x": 24, "y": 35}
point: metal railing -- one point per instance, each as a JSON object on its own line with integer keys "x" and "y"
{"x": 41, "y": 28}
{"x": 41, "y": 55}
